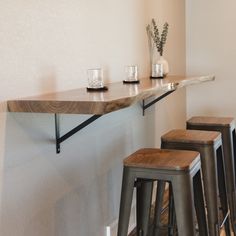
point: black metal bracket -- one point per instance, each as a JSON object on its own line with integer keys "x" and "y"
{"x": 61, "y": 139}
{"x": 145, "y": 106}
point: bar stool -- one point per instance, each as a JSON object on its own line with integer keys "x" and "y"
{"x": 226, "y": 126}
{"x": 209, "y": 145}
{"x": 180, "y": 168}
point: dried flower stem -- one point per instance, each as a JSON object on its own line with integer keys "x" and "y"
{"x": 158, "y": 40}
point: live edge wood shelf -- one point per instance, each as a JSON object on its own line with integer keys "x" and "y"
{"x": 118, "y": 96}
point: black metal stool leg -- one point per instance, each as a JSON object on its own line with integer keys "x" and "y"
{"x": 222, "y": 190}
{"x": 144, "y": 199}
{"x": 171, "y": 215}
{"x": 234, "y": 202}
{"x": 125, "y": 202}
{"x": 234, "y": 192}
{"x": 183, "y": 195}
{"x": 199, "y": 205}
{"x": 234, "y": 148}
{"x": 158, "y": 207}
{"x": 229, "y": 163}
{"x": 209, "y": 172}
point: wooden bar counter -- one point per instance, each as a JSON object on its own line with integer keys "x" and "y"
{"x": 118, "y": 96}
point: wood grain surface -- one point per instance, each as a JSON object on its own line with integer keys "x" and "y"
{"x": 209, "y": 120}
{"x": 118, "y": 96}
{"x": 163, "y": 159}
{"x": 191, "y": 136}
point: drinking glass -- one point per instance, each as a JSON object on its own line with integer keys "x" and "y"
{"x": 157, "y": 70}
{"x": 131, "y": 73}
{"x": 95, "y": 78}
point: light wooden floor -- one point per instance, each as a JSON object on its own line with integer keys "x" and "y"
{"x": 223, "y": 233}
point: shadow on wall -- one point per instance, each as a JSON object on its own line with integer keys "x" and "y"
{"x": 75, "y": 210}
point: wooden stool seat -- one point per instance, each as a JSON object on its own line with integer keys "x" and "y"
{"x": 181, "y": 169}
{"x": 192, "y": 136}
{"x": 162, "y": 159}
{"x": 209, "y": 120}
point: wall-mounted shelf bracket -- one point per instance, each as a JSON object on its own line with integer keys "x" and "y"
{"x": 145, "y": 106}
{"x": 61, "y": 139}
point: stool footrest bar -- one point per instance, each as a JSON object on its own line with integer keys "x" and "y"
{"x": 225, "y": 218}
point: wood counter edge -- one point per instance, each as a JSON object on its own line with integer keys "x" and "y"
{"x": 97, "y": 107}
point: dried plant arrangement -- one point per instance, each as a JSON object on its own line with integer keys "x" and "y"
{"x": 154, "y": 34}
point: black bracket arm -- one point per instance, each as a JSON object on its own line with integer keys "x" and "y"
{"x": 60, "y": 139}
{"x": 145, "y": 106}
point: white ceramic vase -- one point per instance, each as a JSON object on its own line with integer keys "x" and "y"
{"x": 156, "y": 59}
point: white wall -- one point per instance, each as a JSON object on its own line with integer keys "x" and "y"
{"x": 211, "y": 37}
{"x": 47, "y": 46}
{"x": 171, "y": 112}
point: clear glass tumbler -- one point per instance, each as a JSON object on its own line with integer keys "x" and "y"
{"x": 131, "y": 73}
{"x": 157, "y": 70}
{"x": 95, "y": 78}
